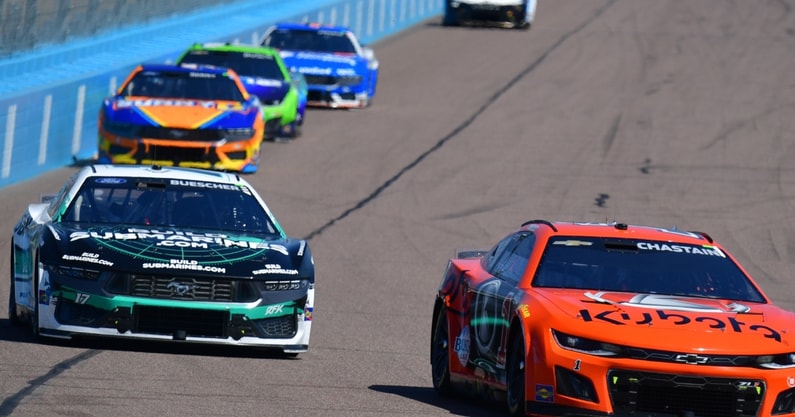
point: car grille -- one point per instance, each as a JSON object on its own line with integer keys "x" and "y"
{"x": 643, "y": 392}
{"x": 183, "y": 288}
{"x": 320, "y": 79}
{"x": 331, "y": 80}
{"x": 283, "y": 327}
{"x": 714, "y": 360}
{"x": 491, "y": 12}
{"x": 191, "y": 135}
{"x": 167, "y": 320}
{"x": 175, "y": 153}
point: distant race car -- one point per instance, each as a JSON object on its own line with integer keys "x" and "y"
{"x": 339, "y": 71}
{"x": 172, "y": 254}
{"x": 282, "y": 93}
{"x": 176, "y": 116}
{"x": 506, "y": 13}
{"x": 592, "y": 319}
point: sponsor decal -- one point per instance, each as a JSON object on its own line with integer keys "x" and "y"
{"x": 274, "y": 309}
{"x": 308, "y": 313}
{"x": 209, "y": 185}
{"x": 461, "y": 347}
{"x": 184, "y": 264}
{"x": 524, "y": 311}
{"x": 624, "y": 317}
{"x": 110, "y": 180}
{"x": 87, "y": 257}
{"x": 544, "y": 393}
{"x": 339, "y": 59}
{"x": 791, "y": 381}
{"x": 161, "y": 102}
{"x": 263, "y": 82}
{"x": 176, "y": 238}
{"x": 572, "y": 243}
{"x": 275, "y": 269}
{"x": 692, "y": 250}
{"x": 315, "y": 70}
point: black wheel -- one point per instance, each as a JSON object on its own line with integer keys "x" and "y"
{"x": 450, "y": 17}
{"x": 12, "y": 301}
{"x": 440, "y": 354}
{"x": 34, "y": 315}
{"x": 515, "y": 376}
{"x": 12, "y": 305}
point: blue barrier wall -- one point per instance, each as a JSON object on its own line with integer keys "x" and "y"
{"x": 51, "y": 97}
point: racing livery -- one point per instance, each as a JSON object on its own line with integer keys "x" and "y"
{"x": 339, "y": 71}
{"x": 200, "y": 117}
{"x": 263, "y": 73}
{"x": 161, "y": 254}
{"x": 598, "y": 319}
{"x": 506, "y": 13}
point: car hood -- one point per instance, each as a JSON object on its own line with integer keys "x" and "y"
{"x": 267, "y": 90}
{"x": 173, "y": 251}
{"x": 670, "y": 322}
{"x": 314, "y": 63}
{"x": 179, "y": 113}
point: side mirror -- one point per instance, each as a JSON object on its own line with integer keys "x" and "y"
{"x": 38, "y": 212}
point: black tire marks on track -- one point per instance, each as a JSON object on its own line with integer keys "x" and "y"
{"x": 464, "y": 125}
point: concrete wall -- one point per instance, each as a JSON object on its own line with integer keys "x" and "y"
{"x": 28, "y": 24}
{"x": 50, "y": 97}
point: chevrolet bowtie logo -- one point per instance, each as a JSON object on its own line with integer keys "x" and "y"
{"x": 691, "y": 358}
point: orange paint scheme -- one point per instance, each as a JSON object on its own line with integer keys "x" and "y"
{"x": 578, "y": 342}
{"x": 182, "y": 131}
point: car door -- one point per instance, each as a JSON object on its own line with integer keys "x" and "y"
{"x": 492, "y": 302}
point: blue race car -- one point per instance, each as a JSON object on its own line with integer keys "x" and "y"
{"x": 339, "y": 71}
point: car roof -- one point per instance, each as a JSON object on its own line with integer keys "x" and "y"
{"x": 227, "y": 47}
{"x": 311, "y": 26}
{"x": 616, "y": 230}
{"x": 178, "y": 68}
{"x": 156, "y": 171}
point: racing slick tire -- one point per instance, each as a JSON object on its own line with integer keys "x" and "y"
{"x": 12, "y": 302}
{"x": 440, "y": 354}
{"x": 449, "y": 18}
{"x": 292, "y": 130}
{"x": 515, "y": 376}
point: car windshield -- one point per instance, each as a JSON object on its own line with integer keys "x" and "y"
{"x": 170, "y": 203}
{"x": 244, "y": 63}
{"x": 183, "y": 84}
{"x": 640, "y": 266}
{"x": 310, "y": 40}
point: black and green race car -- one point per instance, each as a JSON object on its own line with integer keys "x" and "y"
{"x": 137, "y": 252}
{"x": 283, "y": 93}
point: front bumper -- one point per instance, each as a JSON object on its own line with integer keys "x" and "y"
{"x": 286, "y": 324}
{"x": 239, "y": 155}
{"x": 579, "y": 384}
{"x": 320, "y": 97}
{"x": 486, "y": 13}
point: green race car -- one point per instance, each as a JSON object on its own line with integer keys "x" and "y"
{"x": 282, "y": 92}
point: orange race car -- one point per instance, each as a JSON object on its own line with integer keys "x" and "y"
{"x": 587, "y": 319}
{"x": 200, "y": 117}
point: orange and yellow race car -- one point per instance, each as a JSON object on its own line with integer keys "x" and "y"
{"x": 597, "y": 319}
{"x": 200, "y": 117}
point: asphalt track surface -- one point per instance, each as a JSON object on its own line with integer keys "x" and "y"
{"x": 668, "y": 113}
